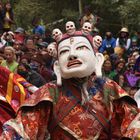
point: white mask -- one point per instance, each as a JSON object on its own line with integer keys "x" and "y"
{"x": 97, "y": 41}
{"x": 57, "y": 34}
{"x": 51, "y": 49}
{"x": 76, "y": 58}
{"x": 87, "y": 27}
{"x": 70, "y": 28}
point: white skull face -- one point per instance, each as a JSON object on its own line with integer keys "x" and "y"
{"x": 75, "y": 58}
{"x": 57, "y": 34}
{"x": 87, "y": 27}
{"x": 70, "y": 28}
{"x": 51, "y": 49}
{"x": 97, "y": 41}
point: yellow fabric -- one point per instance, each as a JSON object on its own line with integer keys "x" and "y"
{"x": 6, "y": 23}
{"x": 9, "y": 88}
{"x": 22, "y": 91}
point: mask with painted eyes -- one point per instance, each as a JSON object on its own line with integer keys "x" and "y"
{"x": 77, "y": 58}
{"x": 57, "y": 34}
{"x": 97, "y": 41}
{"x": 70, "y": 27}
{"x": 51, "y": 49}
{"x": 87, "y": 28}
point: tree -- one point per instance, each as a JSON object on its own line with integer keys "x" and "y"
{"x": 129, "y": 13}
{"x": 113, "y": 13}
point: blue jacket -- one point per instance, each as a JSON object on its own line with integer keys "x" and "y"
{"x": 40, "y": 30}
{"x": 107, "y": 44}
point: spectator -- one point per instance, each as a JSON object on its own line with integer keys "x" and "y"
{"x": 10, "y": 61}
{"x": 36, "y": 62}
{"x": 30, "y": 75}
{"x": 38, "y": 29}
{"x": 131, "y": 78}
{"x": 30, "y": 46}
{"x": 118, "y": 70}
{"x": 37, "y": 39}
{"x": 107, "y": 68}
{"x": 25, "y": 58}
{"x": 47, "y": 69}
{"x": 136, "y": 55}
{"x": 8, "y": 17}
{"x": 133, "y": 46}
{"x": 108, "y": 44}
{"x": 20, "y": 35}
{"x": 8, "y": 38}
{"x": 120, "y": 80}
{"x": 42, "y": 46}
{"x": 123, "y": 40}
{"x": 48, "y": 38}
{"x": 88, "y": 16}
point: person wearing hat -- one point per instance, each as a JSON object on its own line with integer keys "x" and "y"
{"x": 42, "y": 47}
{"x": 123, "y": 40}
{"x": 80, "y": 104}
{"x": 20, "y": 35}
{"x": 134, "y": 45}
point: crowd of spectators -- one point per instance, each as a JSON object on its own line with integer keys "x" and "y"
{"x": 27, "y": 54}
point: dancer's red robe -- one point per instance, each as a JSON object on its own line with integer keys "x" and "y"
{"x": 13, "y": 91}
{"x": 109, "y": 114}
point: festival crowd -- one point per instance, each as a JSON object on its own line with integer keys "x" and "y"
{"x": 32, "y": 56}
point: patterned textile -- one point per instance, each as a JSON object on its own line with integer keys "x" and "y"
{"x": 13, "y": 91}
{"x": 13, "y": 88}
{"x": 57, "y": 112}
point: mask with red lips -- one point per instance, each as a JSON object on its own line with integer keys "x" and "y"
{"x": 77, "y": 58}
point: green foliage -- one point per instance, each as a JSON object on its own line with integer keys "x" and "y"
{"x": 129, "y": 12}
{"x": 113, "y": 13}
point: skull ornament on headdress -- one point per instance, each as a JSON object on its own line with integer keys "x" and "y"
{"x": 87, "y": 28}
{"x": 52, "y": 49}
{"x": 57, "y": 34}
{"x": 97, "y": 41}
{"x": 77, "y": 57}
{"x": 70, "y": 27}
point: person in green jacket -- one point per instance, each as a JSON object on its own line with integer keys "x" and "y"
{"x": 10, "y": 61}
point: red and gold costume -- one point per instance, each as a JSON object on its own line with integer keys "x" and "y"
{"x": 79, "y": 108}
{"x": 57, "y": 112}
{"x": 13, "y": 91}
